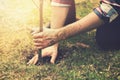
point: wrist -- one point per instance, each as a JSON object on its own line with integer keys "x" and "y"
{"x": 61, "y": 34}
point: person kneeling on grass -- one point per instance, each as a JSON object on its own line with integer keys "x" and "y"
{"x": 106, "y": 18}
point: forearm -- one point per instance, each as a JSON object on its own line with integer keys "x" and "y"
{"x": 87, "y": 23}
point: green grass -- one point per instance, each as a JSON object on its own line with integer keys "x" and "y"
{"x": 73, "y": 62}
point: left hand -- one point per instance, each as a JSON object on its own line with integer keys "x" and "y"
{"x": 51, "y": 51}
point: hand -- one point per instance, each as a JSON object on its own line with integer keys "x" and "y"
{"x": 46, "y": 38}
{"x": 51, "y": 51}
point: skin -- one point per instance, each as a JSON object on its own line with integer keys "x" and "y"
{"x": 56, "y": 23}
{"x": 51, "y": 36}
{"x": 60, "y": 16}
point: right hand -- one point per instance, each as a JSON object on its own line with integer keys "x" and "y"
{"x": 50, "y": 51}
{"x": 46, "y": 38}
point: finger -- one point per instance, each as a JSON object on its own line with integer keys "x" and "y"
{"x": 39, "y": 47}
{"x": 53, "y": 58}
{"x": 33, "y": 60}
{"x": 34, "y": 30}
{"x": 38, "y": 40}
{"x": 37, "y": 35}
{"x": 39, "y": 44}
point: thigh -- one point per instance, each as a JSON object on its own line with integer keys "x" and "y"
{"x": 71, "y": 17}
{"x": 67, "y": 2}
{"x": 108, "y": 35}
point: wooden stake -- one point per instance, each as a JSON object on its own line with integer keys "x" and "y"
{"x": 41, "y": 16}
{"x": 36, "y": 57}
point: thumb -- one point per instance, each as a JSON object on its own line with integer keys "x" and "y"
{"x": 34, "y": 30}
{"x": 53, "y": 58}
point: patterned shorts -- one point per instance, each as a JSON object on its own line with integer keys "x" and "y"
{"x": 61, "y": 2}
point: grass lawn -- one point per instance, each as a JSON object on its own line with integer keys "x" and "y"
{"x": 73, "y": 63}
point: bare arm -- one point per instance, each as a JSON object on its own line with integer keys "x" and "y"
{"x": 87, "y": 23}
{"x": 52, "y": 36}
